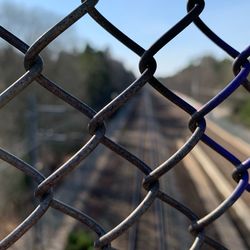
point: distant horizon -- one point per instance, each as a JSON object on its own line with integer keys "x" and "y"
{"x": 193, "y": 61}
{"x": 186, "y": 47}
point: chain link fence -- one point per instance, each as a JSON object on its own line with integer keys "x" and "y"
{"x": 44, "y": 192}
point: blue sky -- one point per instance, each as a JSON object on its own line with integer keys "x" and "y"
{"x": 145, "y": 21}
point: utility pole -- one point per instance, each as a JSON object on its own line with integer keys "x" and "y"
{"x": 36, "y": 136}
{"x": 32, "y": 131}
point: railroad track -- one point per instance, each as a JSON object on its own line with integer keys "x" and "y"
{"x": 218, "y": 172}
{"x": 169, "y": 226}
{"x": 168, "y": 229}
{"x": 215, "y": 173}
{"x": 210, "y": 175}
{"x": 115, "y": 186}
{"x": 149, "y": 152}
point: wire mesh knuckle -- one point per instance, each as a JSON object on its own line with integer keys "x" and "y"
{"x": 30, "y": 63}
{"x": 241, "y": 61}
{"x": 148, "y": 182}
{"x": 197, "y": 121}
{"x": 95, "y": 124}
{"x": 191, "y": 4}
{"x": 147, "y": 62}
{"x": 44, "y": 191}
{"x": 90, "y": 3}
{"x": 241, "y": 171}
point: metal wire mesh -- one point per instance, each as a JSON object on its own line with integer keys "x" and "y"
{"x": 44, "y": 191}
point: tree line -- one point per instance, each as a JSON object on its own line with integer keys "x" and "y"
{"x": 204, "y": 78}
{"x": 91, "y": 75}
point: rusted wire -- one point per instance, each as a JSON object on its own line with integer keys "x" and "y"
{"x": 147, "y": 65}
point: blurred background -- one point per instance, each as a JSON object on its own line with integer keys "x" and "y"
{"x": 89, "y": 63}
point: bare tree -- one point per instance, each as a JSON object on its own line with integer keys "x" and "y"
{"x": 30, "y": 23}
